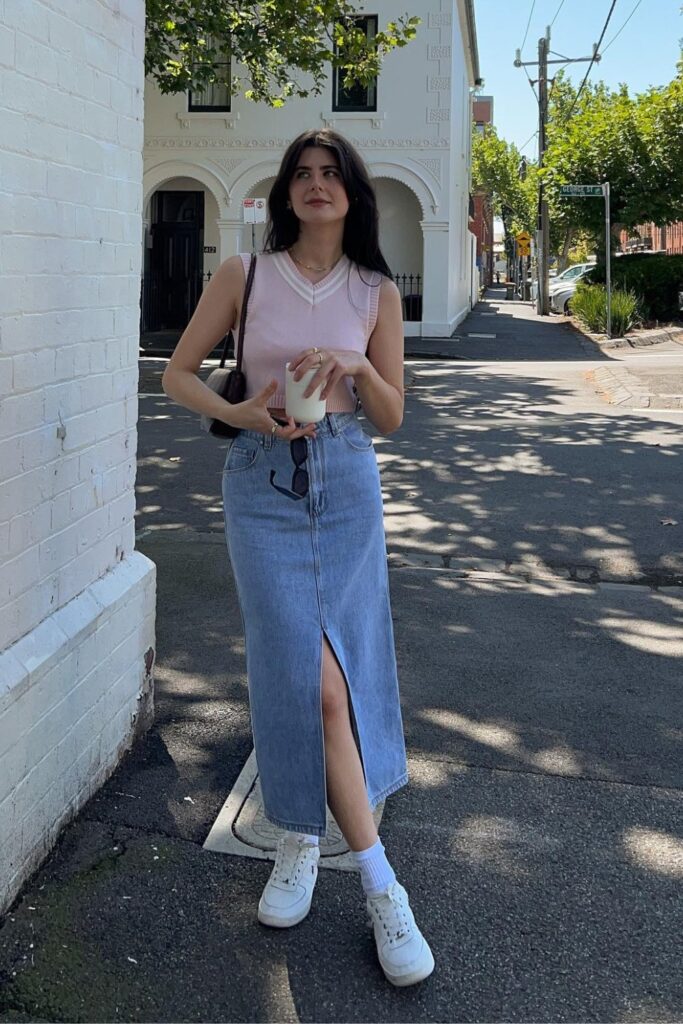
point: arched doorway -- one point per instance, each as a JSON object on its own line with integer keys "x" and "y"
{"x": 401, "y": 241}
{"x": 180, "y": 253}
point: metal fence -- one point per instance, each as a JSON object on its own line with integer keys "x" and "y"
{"x": 410, "y": 287}
{"x": 154, "y": 301}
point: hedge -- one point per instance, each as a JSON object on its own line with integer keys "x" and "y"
{"x": 656, "y": 278}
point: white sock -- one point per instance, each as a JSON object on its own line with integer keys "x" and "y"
{"x": 376, "y": 873}
{"x": 304, "y": 838}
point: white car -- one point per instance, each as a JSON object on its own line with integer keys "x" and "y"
{"x": 559, "y": 298}
{"x": 571, "y": 274}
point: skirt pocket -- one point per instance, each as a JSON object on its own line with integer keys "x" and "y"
{"x": 242, "y": 454}
{"x": 356, "y": 438}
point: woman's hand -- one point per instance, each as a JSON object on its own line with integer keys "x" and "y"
{"x": 252, "y": 414}
{"x": 337, "y": 363}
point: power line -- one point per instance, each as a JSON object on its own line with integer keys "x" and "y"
{"x": 531, "y": 83}
{"x": 533, "y": 4}
{"x": 533, "y": 135}
{"x": 557, "y": 12}
{"x": 592, "y": 62}
{"x": 639, "y": 2}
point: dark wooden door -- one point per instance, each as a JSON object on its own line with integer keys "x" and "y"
{"x": 176, "y": 259}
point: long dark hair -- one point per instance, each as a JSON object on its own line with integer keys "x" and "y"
{"x": 360, "y": 241}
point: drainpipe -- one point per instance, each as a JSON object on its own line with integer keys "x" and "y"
{"x": 472, "y": 41}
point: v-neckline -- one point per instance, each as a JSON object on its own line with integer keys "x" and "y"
{"x": 316, "y": 291}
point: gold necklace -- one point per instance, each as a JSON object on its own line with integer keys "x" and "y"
{"x": 308, "y": 267}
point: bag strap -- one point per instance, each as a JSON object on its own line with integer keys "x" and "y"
{"x": 243, "y": 319}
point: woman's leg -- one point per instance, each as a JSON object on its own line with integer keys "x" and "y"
{"x": 346, "y": 793}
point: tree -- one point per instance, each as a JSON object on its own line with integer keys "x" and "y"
{"x": 634, "y": 142}
{"x": 187, "y": 40}
{"x": 496, "y": 166}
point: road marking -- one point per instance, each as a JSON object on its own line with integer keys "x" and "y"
{"x": 242, "y": 829}
{"x": 471, "y": 334}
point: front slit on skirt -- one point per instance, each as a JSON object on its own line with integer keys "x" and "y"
{"x": 307, "y": 570}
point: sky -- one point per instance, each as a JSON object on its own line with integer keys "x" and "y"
{"x": 643, "y": 54}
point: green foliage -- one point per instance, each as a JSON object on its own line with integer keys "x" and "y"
{"x": 271, "y": 39}
{"x": 589, "y": 306}
{"x": 634, "y": 142}
{"x": 655, "y": 277}
{"x": 496, "y": 171}
{"x": 581, "y": 250}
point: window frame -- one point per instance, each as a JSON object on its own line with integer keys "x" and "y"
{"x": 337, "y": 108}
{"x": 203, "y": 108}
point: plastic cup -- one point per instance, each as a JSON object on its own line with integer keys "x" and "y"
{"x": 303, "y": 410}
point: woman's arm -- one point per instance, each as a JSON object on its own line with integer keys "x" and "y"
{"x": 214, "y": 316}
{"x": 380, "y": 382}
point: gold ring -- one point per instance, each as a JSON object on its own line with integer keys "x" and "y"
{"x": 315, "y": 350}
{"x": 275, "y": 426}
{"x": 320, "y": 358}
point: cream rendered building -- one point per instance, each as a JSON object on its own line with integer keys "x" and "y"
{"x": 414, "y": 134}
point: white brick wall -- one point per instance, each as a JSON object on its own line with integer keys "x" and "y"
{"x": 71, "y": 89}
{"x": 71, "y": 124}
{"x": 73, "y": 693}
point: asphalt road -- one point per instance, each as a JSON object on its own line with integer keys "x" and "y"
{"x": 541, "y": 835}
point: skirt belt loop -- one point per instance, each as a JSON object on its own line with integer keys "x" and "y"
{"x": 333, "y": 420}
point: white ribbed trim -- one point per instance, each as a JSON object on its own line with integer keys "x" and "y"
{"x": 309, "y": 291}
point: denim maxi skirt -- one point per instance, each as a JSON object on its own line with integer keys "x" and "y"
{"x": 304, "y": 568}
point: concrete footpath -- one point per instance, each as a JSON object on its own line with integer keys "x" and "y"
{"x": 534, "y": 541}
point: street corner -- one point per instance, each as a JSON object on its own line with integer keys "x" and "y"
{"x": 641, "y": 388}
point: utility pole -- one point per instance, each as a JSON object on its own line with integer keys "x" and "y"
{"x": 543, "y": 223}
{"x": 543, "y": 227}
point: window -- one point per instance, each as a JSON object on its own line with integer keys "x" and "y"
{"x": 214, "y": 95}
{"x": 358, "y": 97}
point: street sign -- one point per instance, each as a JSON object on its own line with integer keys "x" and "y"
{"x": 582, "y": 190}
{"x": 524, "y": 248}
{"x": 523, "y": 237}
{"x": 254, "y": 211}
{"x": 249, "y": 211}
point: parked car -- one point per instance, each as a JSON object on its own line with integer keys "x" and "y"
{"x": 573, "y": 273}
{"x": 559, "y": 297}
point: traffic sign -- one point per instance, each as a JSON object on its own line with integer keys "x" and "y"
{"x": 524, "y": 248}
{"x": 523, "y": 237}
{"x": 581, "y": 190}
{"x": 254, "y": 211}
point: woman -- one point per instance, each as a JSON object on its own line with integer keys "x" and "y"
{"x": 309, "y": 559}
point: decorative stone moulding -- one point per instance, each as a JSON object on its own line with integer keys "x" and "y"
{"x": 439, "y": 53}
{"x": 220, "y": 142}
{"x": 438, "y": 115}
{"x": 228, "y": 165}
{"x": 433, "y": 166}
{"x": 193, "y": 116}
{"x": 434, "y": 225}
{"x": 375, "y": 119}
{"x": 214, "y": 142}
{"x": 401, "y": 143}
{"x": 439, "y": 20}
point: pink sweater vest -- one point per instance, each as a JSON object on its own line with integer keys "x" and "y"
{"x": 287, "y": 313}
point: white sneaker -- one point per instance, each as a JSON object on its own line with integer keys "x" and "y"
{"x": 403, "y": 951}
{"x": 287, "y": 896}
